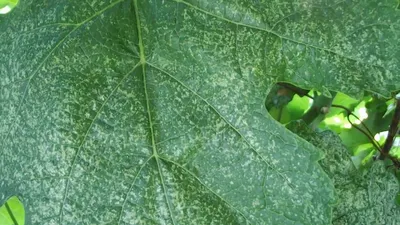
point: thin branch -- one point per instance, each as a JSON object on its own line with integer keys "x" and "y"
{"x": 280, "y": 113}
{"x": 392, "y": 131}
{"x": 349, "y": 112}
{"x": 371, "y": 139}
{"x": 300, "y": 91}
{"x": 318, "y": 110}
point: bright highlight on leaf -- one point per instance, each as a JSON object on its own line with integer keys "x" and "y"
{"x": 362, "y": 113}
{"x": 5, "y": 9}
{"x": 7, "y": 5}
{"x": 347, "y": 125}
{"x": 337, "y": 120}
{"x": 381, "y": 136}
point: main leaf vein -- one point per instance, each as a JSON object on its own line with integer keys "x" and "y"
{"x": 150, "y": 119}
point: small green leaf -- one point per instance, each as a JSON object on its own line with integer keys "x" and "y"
{"x": 343, "y": 100}
{"x": 391, "y": 106}
{"x": 7, "y": 5}
{"x": 12, "y": 212}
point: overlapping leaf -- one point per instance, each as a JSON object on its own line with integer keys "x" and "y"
{"x": 364, "y": 197}
{"x": 151, "y": 112}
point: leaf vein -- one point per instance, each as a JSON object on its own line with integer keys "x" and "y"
{"x": 59, "y": 43}
{"x": 225, "y": 120}
{"x": 279, "y": 35}
{"x": 204, "y": 185}
{"x": 131, "y": 187}
{"x": 153, "y": 142}
{"x": 85, "y": 137}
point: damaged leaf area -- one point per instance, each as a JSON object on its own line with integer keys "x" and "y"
{"x": 152, "y": 112}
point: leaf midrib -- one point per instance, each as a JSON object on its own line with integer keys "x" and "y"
{"x": 155, "y": 155}
{"x": 150, "y": 118}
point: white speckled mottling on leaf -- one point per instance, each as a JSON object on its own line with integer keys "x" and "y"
{"x": 363, "y": 197}
{"x": 152, "y": 112}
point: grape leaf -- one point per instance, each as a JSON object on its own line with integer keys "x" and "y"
{"x": 364, "y": 197}
{"x": 151, "y": 112}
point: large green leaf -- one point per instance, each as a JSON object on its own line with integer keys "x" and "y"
{"x": 151, "y": 112}
{"x": 364, "y": 197}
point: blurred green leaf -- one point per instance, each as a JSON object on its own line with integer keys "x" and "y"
{"x": 12, "y": 212}
{"x": 362, "y": 155}
{"x": 335, "y": 123}
{"x": 343, "y": 100}
{"x": 375, "y": 109}
{"x": 390, "y": 107}
{"x": 294, "y": 110}
{"x": 298, "y": 106}
{"x": 7, "y": 5}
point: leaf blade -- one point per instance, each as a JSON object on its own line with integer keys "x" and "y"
{"x": 83, "y": 85}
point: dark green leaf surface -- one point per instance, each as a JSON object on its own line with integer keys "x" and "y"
{"x": 151, "y": 112}
{"x": 364, "y": 197}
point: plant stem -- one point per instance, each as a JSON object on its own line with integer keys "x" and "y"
{"x": 280, "y": 114}
{"x": 316, "y": 114}
{"x": 365, "y": 130}
{"x": 299, "y": 91}
{"x": 392, "y": 131}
